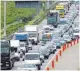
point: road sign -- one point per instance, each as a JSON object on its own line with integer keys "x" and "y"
{"x": 27, "y": 4}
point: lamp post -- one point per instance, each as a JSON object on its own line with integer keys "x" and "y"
{"x": 4, "y": 19}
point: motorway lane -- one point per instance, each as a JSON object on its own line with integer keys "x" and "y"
{"x": 43, "y": 23}
{"x": 34, "y": 47}
{"x": 17, "y": 65}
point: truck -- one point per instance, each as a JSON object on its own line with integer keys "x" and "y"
{"x": 47, "y": 37}
{"x": 53, "y": 18}
{"x": 16, "y": 46}
{"x": 7, "y": 55}
{"x": 21, "y": 36}
{"x": 32, "y": 30}
{"x": 62, "y": 8}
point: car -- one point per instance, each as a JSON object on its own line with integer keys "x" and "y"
{"x": 48, "y": 28}
{"x": 33, "y": 58}
{"x": 62, "y": 41}
{"x": 67, "y": 38}
{"x": 57, "y": 43}
{"x": 28, "y": 67}
{"x": 23, "y": 47}
{"x": 76, "y": 32}
{"x": 52, "y": 48}
{"x": 45, "y": 51}
{"x": 37, "y": 51}
{"x": 29, "y": 46}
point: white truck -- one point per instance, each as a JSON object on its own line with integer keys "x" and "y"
{"x": 33, "y": 58}
{"x": 16, "y": 45}
{"x": 66, "y": 6}
{"x": 33, "y": 33}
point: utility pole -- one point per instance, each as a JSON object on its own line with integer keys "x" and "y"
{"x": 4, "y": 19}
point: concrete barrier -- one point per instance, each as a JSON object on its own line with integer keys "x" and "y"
{"x": 58, "y": 54}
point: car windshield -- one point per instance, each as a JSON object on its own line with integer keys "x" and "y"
{"x": 66, "y": 37}
{"x": 76, "y": 31}
{"x": 21, "y": 45}
{"x": 56, "y": 41}
{"x": 32, "y": 57}
{"x": 4, "y": 49}
{"x": 63, "y": 22}
{"x": 62, "y": 10}
{"x": 29, "y": 66}
{"x": 32, "y": 34}
{"x": 51, "y": 29}
{"x": 52, "y": 17}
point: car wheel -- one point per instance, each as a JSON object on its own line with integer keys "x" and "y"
{"x": 10, "y": 65}
{"x": 53, "y": 51}
{"x": 39, "y": 67}
{"x": 47, "y": 57}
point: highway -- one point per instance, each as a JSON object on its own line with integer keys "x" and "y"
{"x": 69, "y": 59}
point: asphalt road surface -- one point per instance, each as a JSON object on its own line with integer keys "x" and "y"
{"x": 69, "y": 59}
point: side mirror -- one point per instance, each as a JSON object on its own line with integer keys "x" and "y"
{"x": 41, "y": 57}
{"x": 12, "y": 49}
{"x": 23, "y": 59}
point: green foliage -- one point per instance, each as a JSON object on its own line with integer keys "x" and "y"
{"x": 13, "y": 13}
{"x": 19, "y": 13}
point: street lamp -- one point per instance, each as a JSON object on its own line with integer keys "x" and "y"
{"x": 4, "y": 19}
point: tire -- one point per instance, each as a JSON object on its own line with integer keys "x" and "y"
{"x": 47, "y": 57}
{"x": 36, "y": 43}
{"x": 10, "y": 65}
{"x": 53, "y": 51}
{"x": 39, "y": 67}
{"x": 43, "y": 61}
{"x": 13, "y": 62}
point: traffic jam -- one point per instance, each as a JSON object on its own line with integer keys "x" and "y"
{"x": 32, "y": 48}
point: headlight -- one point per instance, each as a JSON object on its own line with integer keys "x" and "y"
{"x": 7, "y": 64}
{"x": 54, "y": 45}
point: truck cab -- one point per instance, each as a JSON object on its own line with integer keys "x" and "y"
{"x": 46, "y": 37}
{"x": 63, "y": 8}
{"x": 32, "y": 30}
{"x": 53, "y": 18}
{"x": 7, "y": 55}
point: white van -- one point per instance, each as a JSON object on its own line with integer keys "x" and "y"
{"x": 33, "y": 58}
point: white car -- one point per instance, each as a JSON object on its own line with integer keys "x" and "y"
{"x": 50, "y": 45}
{"x": 76, "y": 32}
{"x": 33, "y": 58}
{"x": 67, "y": 38}
{"x": 23, "y": 47}
{"x": 28, "y": 67}
{"x": 45, "y": 51}
{"x": 30, "y": 46}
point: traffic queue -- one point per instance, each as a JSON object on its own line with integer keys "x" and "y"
{"x": 61, "y": 28}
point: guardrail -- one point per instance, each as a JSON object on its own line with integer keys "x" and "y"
{"x": 58, "y": 54}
